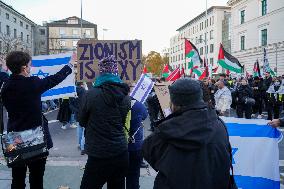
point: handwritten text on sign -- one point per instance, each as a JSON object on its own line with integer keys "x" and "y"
{"x": 127, "y": 53}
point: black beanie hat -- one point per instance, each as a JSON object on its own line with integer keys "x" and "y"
{"x": 185, "y": 92}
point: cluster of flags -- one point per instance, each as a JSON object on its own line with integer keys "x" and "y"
{"x": 201, "y": 69}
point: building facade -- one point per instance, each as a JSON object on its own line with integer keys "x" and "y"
{"x": 40, "y": 40}
{"x": 255, "y": 25}
{"x": 16, "y": 30}
{"x": 63, "y": 35}
{"x": 197, "y": 31}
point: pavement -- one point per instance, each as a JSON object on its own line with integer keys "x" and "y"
{"x": 65, "y": 165}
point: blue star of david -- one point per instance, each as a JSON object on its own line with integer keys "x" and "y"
{"x": 234, "y": 150}
{"x": 40, "y": 73}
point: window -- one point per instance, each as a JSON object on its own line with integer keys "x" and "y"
{"x": 205, "y": 36}
{"x": 42, "y": 43}
{"x": 210, "y": 21}
{"x": 0, "y": 46}
{"x": 75, "y": 43}
{"x": 211, "y": 34}
{"x": 181, "y": 56}
{"x": 7, "y": 16}
{"x": 62, "y": 43}
{"x": 28, "y": 39}
{"x": 75, "y": 32}
{"x": 211, "y": 48}
{"x": 264, "y": 37}
{"x": 27, "y": 26}
{"x": 212, "y": 61}
{"x": 15, "y": 20}
{"x": 201, "y": 51}
{"x": 15, "y": 33}
{"x": 73, "y": 21}
{"x": 264, "y": 7}
{"x": 200, "y": 26}
{"x": 21, "y": 24}
{"x": 0, "y": 27}
{"x": 8, "y": 30}
{"x": 88, "y": 33}
{"x": 206, "y": 50}
{"x": 62, "y": 31}
{"x": 242, "y": 16}
{"x": 42, "y": 31}
{"x": 171, "y": 59}
{"x": 200, "y": 38}
{"x": 22, "y": 36}
{"x": 242, "y": 42}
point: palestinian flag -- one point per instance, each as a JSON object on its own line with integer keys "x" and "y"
{"x": 145, "y": 70}
{"x": 192, "y": 53}
{"x": 204, "y": 74}
{"x": 165, "y": 72}
{"x": 229, "y": 62}
{"x": 197, "y": 70}
{"x": 256, "y": 69}
{"x": 174, "y": 75}
{"x": 266, "y": 67}
{"x": 214, "y": 70}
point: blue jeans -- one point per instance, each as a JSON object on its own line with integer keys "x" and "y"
{"x": 81, "y": 137}
{"x": 132, "y": 178}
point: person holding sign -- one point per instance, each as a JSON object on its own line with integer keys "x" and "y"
{"x": 103, "y": 112}
{"x": 190, "y": 148}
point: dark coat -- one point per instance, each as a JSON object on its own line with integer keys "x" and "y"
{"x": 64, "y": 112}
{"x": 267, "y": 82}
{"x": 22, "y": 98}
{"x": 103, "y": 112}
{"x": 190, "y": 149}
{"x": 243, "y": 92}
{"x": 259, "y": 89}
{"x": 74, "y": 103}
{"x": 138, "y": 114}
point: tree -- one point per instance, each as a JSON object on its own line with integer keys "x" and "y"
{"x": 8, "y": 44}
{"x": 155, "y": 63}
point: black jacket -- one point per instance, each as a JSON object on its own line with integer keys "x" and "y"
{"x": 267, "y": 82}
{"x": 243, "y": 92}
{"x": 74, "y": 103}
{"x": 103, "y": 112}
{"x": 190, "y": 149}
{"x": 22, "y": 98}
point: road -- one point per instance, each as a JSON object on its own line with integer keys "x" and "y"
{"x": 65, "y": 164}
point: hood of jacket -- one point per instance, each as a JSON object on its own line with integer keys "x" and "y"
{"x": 190, "y": 128}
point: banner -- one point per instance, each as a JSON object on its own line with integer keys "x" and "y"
{"x": 46, "y": 65}
{"x": 127, "y": 53}
{"x": 142, "y": 89}
{"x": 255, "y": 153}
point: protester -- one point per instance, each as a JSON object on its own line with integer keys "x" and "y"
{"x": 153, "y": 109}
{"x": 245, "y": 101}
{"x": 258, "y": 90}
{"x": 21, "y": 96}
{"x": 64, "y": 113}
{"x": 189, "y": 148}
{"x": 206, "y": 93}
{"x": 274, "y": 100}
{"x": 213, "y": 89}
{"x": 138, "y": 114}
{"x": 103, "y": 113}
{"x": 74, "y": 106}
{"x": 277, "y": 122}
{"x": 223, "y": 99}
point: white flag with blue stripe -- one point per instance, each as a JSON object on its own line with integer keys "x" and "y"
{"x": 142, "y": 89}
{"x": 255, "y": 153}
{"x": 46, "y": 65}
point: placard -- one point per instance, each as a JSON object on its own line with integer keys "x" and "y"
{"x": 128, "y": 54}
{"x": 162, "y": 92}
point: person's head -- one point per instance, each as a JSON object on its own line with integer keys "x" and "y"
{"x": 220, "y": 84}
{"x": 256, "y": 79}
{"x": 205, "y": 81}
{"x": 108, "y": 65}
{"x": 267, "y": 74}
{"x": 184, "y": 93}
{"x": 244, "y": 82}
{"x": 19, "y": 63}
{"x": 277, "y": 82}
{"x": 222, "y": 77}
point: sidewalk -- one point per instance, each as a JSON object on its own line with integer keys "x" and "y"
{"x": 67, "y": 173}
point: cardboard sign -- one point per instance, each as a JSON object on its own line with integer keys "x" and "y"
{"x": 127, "y": 53}
{"x": 162, "y": 92}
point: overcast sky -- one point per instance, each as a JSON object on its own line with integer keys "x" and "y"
{"x": 152, "y": 21}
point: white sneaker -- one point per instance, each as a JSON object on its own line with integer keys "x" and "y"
{"x": 259, "y": 117}
{"x": 63, "y": 127}
{"x": 73, "y": 126}
{"x": 252, "y": 115}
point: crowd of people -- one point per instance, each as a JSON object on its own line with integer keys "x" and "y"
{"x": 189, "y": 149}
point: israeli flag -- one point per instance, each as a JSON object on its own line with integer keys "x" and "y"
{"x": 46, "y": 65}
{"x": 255, "y": 153}
{"x": 142, "y": 89}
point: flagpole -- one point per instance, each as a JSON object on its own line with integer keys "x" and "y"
{"x": 206, "y": 49}
{"x": 81, "y": 19}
